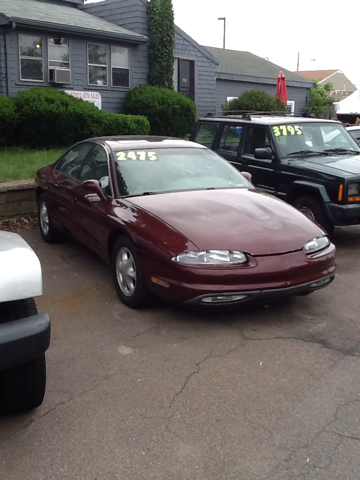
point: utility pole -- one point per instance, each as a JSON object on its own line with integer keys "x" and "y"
{"x": 224, "y": 19}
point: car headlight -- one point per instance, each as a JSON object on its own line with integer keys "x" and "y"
{"x": 316, "y": 244}
{"x": 211, "y": 257}
{"x": 353, "y": 189}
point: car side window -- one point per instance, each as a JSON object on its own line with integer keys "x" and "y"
{"x": 205, "y": 134}
{"x": 96, "y": 168}
{"x": 256, "y": 138}
{"x": 71, "y": 163}
{"x": 230, "y": 138}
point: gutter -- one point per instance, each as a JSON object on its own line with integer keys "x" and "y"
{"x": 80, "y": 31}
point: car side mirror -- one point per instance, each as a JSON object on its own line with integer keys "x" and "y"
{"x": 94, "y": 186}
{"x": 263, "y": 153}
{"x": 247, "y": 175}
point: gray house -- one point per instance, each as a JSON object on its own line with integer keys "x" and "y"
{"x": 98, "y": 52}
{"x": 238, "y": 72}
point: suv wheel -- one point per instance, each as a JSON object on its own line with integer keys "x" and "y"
{"x": 311, "y": 208}
{"x": 22, "y": 387}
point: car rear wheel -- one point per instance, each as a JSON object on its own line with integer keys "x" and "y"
{"x": 128, "y": 275}
{"x": 311, "y": 208}
{"x": 47, "y": 229}
{"x": 22, "y": 387}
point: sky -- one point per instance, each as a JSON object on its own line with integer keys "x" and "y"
{"x": 321, "y": 34}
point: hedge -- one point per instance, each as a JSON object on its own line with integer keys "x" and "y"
{"x": 50, "y": 118}
{"x": 170, "y": 113}
{"x": 8, "y": 119}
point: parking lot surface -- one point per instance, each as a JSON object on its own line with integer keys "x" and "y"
{"x": 167, "y": 393}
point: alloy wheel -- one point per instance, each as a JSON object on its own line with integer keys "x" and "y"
{"x": 126, "y": 271}
{"x": 44, "y": 218}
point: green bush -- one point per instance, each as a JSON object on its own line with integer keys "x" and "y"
{"x": 255, "y": 100}
{"x": 169, "y": 113}
{"x": 49, "y": 118}
{"x": 8, "y": 119}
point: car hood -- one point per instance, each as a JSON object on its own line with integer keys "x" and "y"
{"x": 233, "y": 219}
{"x": 345, "y": 163}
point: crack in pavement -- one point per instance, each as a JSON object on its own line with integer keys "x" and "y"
{"x": 197, "y": 370}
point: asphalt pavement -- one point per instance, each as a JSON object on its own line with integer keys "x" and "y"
{"x": 165, "y": 393}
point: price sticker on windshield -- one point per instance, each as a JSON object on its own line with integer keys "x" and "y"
{"x": 136, "y": 155}
{"x": 284, "y": 130}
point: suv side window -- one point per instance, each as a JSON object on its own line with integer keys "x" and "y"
{"x": 256, "y": 138}
{"x": 230, "y": 138}
{"x": 205, "y": 134}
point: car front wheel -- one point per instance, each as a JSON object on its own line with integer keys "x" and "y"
{"x": 22, "y": 387}
{"x": 311, "y": 208}
{"x": 128, "y": 274}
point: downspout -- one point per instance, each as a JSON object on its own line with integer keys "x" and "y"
{"x": 12, "y": 28}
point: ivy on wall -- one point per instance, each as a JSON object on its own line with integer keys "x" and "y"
{"x": 161, "y": 43}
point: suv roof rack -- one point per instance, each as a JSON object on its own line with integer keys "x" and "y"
{"x": 246, "y": 114}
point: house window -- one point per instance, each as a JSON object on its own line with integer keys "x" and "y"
{"x": 58, "y": 52}
{"x": 120, "y": 76}
{"x": 31, "y": 58}
{"x": 184, "y": 77}
{"x": 97, "y": 64}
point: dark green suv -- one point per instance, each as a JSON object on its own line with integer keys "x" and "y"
{"x": 311, "y": 163}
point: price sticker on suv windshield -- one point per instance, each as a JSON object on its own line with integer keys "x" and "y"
{"x": 283, "y": 130}
{"x": 137, "y": 155}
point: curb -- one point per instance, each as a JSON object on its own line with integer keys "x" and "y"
{"x": 17, "y": 198}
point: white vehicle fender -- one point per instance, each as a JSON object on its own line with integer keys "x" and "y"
{"x": 20, "y": 269}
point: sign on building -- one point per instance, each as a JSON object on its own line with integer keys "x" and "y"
{"x": 91, "y": 97}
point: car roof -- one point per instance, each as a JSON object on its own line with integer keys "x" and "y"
{"x": 119, "y": 142}
{"x": 265, "y": 119}
{"x": 354, "y": 127}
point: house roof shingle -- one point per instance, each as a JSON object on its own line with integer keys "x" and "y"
{"x": 245, "y": 63}
{"x": 62, "y": 18}
{"x": 317, "y": 75}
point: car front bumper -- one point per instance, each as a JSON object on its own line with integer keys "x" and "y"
{"x": 257, "y": 296}
{"x": 23, "y": 340}
{"x": 263, "y": 277}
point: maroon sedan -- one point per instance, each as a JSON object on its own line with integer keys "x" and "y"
{"x": 174, "y": 219}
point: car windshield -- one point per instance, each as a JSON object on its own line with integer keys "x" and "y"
{"x": 147, "y": 171}
{"x": 313, "y": 138}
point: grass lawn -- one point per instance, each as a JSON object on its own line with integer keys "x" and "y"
{"x": 21, "y": 163}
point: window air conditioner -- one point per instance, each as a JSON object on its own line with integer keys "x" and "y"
{"x": 59, "y": 75}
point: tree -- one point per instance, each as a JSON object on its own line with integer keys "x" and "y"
{"x": 162, "y": 43}
{"x": 320, "y": 100}
{"x": 255, "y": 100}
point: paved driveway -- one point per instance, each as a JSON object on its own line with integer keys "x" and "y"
{"x": 170, "y": 394}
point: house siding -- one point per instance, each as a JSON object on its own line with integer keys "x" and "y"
{"x": 112, "y": 98}
{"x": 130, "y": 14}
{"x": 234, "y": 88}
{"x": 205, "y": 75}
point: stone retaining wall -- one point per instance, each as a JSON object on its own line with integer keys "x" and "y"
{"x": 17, "y": 198}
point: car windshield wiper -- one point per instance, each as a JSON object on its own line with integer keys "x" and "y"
{"x": 139, "y": 194}
{"x": 307, "y": 152}
{"x": 341, "y": 150}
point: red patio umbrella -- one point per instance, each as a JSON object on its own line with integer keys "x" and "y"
{"x": 281, "y": 92}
